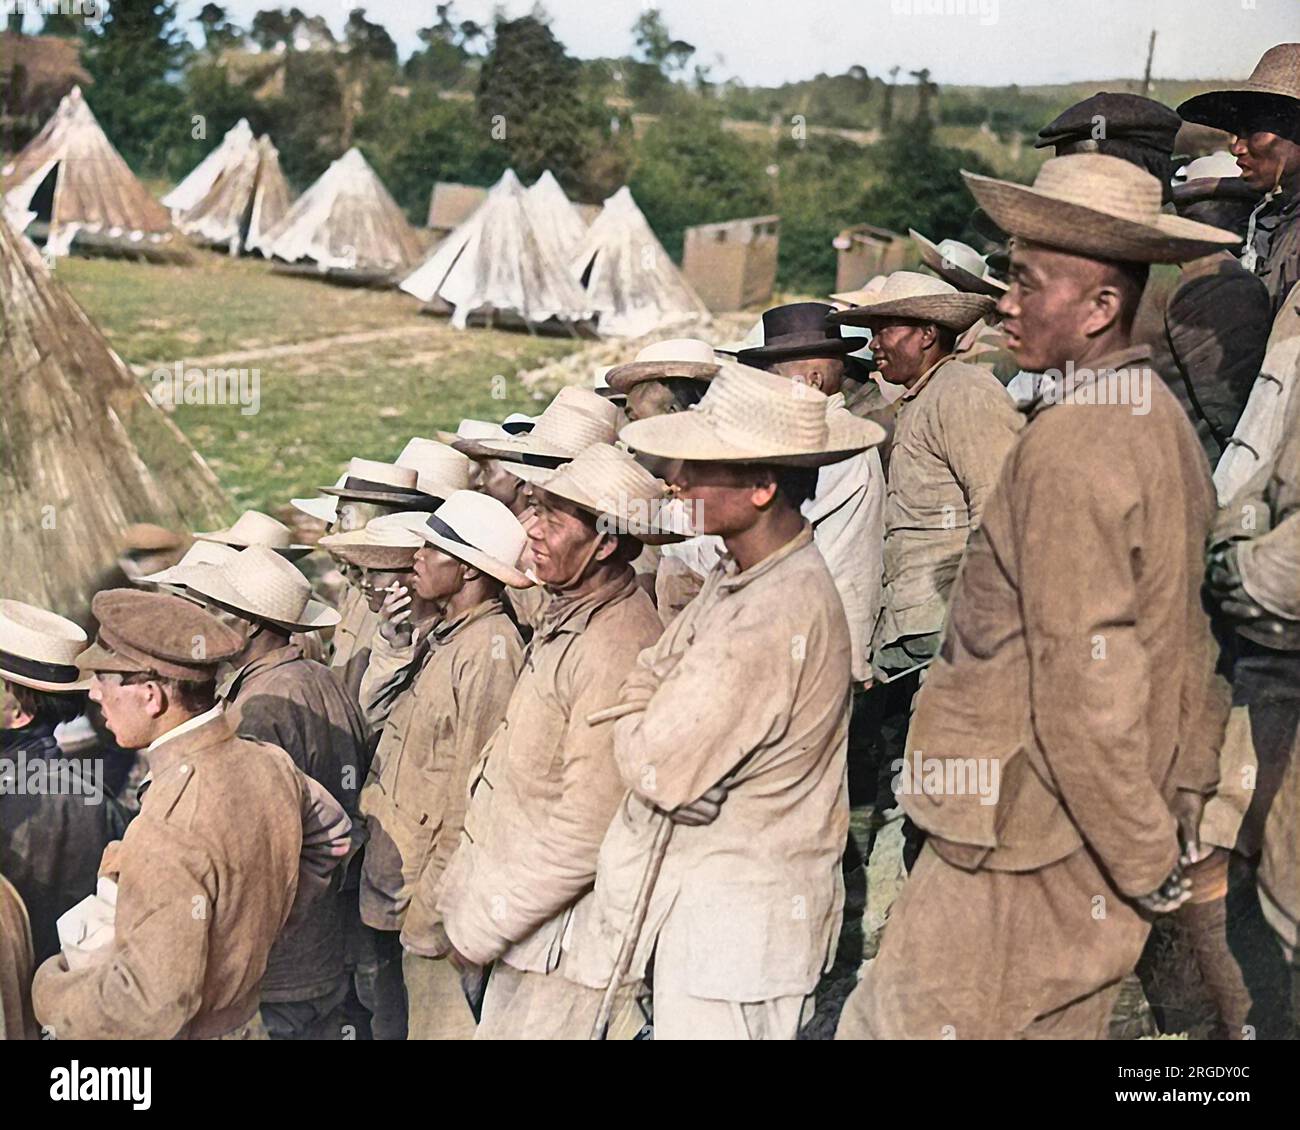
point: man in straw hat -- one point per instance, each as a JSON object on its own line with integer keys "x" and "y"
{"x": 546, "y": 787}
{"x": 443, "y": 673}
{"x": 274, "y": 694}
{"x": 55, "y": 818}
{"x": 1065, "y": 738}
{"x": 732, "y": 730}
{"x": 965, "y": 268}
{"x": 671, "y": 376}
{"x": 1263, "y": 114}
{"x": 953, "y": 427}
{"x": 370, "y": 489}
{"x": 229, "y": 838}
{"x": 571, "y": 423}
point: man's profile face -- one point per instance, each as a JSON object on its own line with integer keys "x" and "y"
{"x": 125, "y": 708}
{"x": 720, "y": 496}
{"x": 437, "y": 576}
{"x": 560, "y": 538}
{"x": 898, "y": 349}
{"x": 649, "y": 398}
{"x": 499, "y": 483}
{"x": 375, "y": 584}
{"x": 1265, "y": 158}
{"x": 353, "y": 515}
{"x": 1042, "y": 308}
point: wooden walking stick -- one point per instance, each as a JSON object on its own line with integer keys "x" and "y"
{"x": 627, "y": 947}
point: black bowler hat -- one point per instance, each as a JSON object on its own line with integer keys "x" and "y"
{"x": 797, "y": 330}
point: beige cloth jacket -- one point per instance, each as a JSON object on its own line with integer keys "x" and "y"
{"x": 547, "y": 785}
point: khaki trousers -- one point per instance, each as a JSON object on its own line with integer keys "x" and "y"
{"x": 548, "y": 1006}
{"x": 989, "y": 955}
{"x": 436, "y": 1004}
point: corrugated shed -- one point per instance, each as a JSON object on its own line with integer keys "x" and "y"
{"x": 498, "y": 263}
{"x": 632, "y": 284}
{"x": 93, "y": 190}
{"x": 451, "y": 204}
{"x": 84, "y": 451}
{"x": 346, "y": 223}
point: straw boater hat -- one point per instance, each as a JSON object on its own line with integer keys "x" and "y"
{"x": 471, "y": 429}
{"x": 1271, "y": 96}
{"x": 473, "y": 528}
{"x": 260, "y": 585}
{"x": 685, "y": 358}
{"x": 849, "y": 298}
{"x": 1098, "y": 206}
{"x": 377, "y": 545}
{"x": 915, "y": 297}
{"x": 602, "y": 387}
{"x": 440, "y": 468}
{"x": 39, "y": 649}
{"x": 571, "y": 423}
{"x": 323, "y": 508}
{"x": 751, "y": 416}
{"x": 958, "y": 263}
{"x": 384, "y": 483}
{"x": 200, "y": 553}
{"x": 253, "y": 527}
{"x": 608, "y": 482}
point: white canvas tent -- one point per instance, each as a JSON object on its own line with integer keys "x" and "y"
{"x": 69, "y": 185}
{"x": 499, "y": 264}
{"x": 346, "y": 226}
{"x": 238, "y": 199}
{"x": 554, "y": 213}
{"x": 631, "y": 283}
{"x": 84, "y": 450}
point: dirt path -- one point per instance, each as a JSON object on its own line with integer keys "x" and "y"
{"x": 294, "y": 348}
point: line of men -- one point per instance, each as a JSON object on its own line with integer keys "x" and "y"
{"x": 580, "y": 750}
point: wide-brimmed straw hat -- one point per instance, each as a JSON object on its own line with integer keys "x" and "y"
{"x": 1272, "y": 90}
{"x": 571, "y": 423}
{"x": 958, "y": 263}
{"x": 752, "y": 416}
{"x": 386, "y": 484}
{"x": 253, "y": 527}
{"x": 39, "y": 649}
{"x": 323, "y": 507}
{"x": 608, "y": 482}
{"x": 847, "y": 299}
{"x": 200, "y": 553}
{"x": 440, "y": 469}
{"x": 686, "y": 358}
{"x": 601, "y": 386}
{"x": 473, "y": 528}
{"x": 1098, "y": 206}
{"x": 912, "y": 296}
{"x": 471, "y": 429}
{"x": 377, "y": 545}
{"x": 259, "y": 584}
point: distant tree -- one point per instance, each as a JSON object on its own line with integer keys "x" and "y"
{"x": 448, "y": 46}
{"x": 14, "y": 21}
{"x": 918, "y": 184}
{"x": 273, "y": 26}
{"x": 369, "y": 40}
{"x": 219, "y": 33}
{"x": 63, "y": 24}
{"x": 134, "y": 55}
{"x": 530, "y": 101}
{"x": 657, "y": 45}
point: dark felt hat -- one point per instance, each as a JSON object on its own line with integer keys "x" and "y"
{"x": 1103, "y": 118}
{"x": 796, "y": 330}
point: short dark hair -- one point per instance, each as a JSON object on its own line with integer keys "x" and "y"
{"x": 946, "y": 336}
{"x": 795, "y": 484}
{"x": 197, "y": 698}
{"x": 49, "y": 707}
{"x": 686, "y": 393}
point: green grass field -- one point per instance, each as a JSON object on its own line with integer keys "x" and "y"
{"x": 318, "y": 405}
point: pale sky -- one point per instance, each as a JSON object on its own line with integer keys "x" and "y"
{"x": 990, "y": 42}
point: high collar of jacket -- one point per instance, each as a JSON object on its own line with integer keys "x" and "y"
{"x": 446, "y": 630}
{"x": 735, "y": 578}
{"x": 565, "y": 612}
{"x": 910, "y": 393}
{"x": 1086, "y": 375}
{"x": 32, "y": 736}
{"x": 291, "y": 653}
{"x": 174, "y": 751}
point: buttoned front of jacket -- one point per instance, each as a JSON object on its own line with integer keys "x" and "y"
{"x": 546, "y": 786}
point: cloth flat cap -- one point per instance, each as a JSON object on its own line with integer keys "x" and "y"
{"x": 158, "y": 633}
{"x": 1114, "y": 117}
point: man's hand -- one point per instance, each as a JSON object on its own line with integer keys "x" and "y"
{"x": 1187, "y": 808}
{"x": 395, "y": 616}
{"x": 702, "y": 811}
{"x": 1223, "y": 579}
{"x": 1170, "y": 895}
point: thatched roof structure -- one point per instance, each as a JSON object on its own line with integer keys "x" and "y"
{"x": 84, "y": 451}
{"x": 74, "y": 186}
{"x": 36, "y": 71}
{"x": 500, "y": 266}
{"x": 451, "y": 204}
{"x": 234, "y": 195}
{"x": 632, "y": 284}
{"x": 346, "y": 226}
